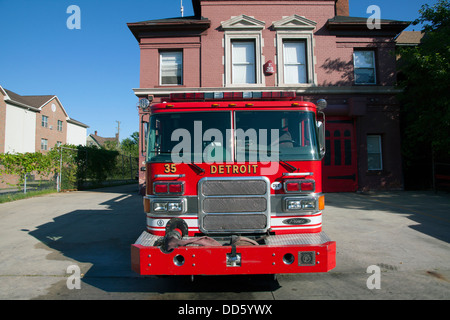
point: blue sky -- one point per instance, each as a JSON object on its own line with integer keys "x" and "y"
{"x": 94, "y": 69}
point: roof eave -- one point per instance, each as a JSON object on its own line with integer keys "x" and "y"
{"x": 168, "y": 25}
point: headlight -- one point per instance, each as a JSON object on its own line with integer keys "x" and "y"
{"x": 309, "y": 204}
{"x": 168, "y": 205}
{"x": 159, "y": 206}
{"x": 175, "y": 206}
{"x": 294, "y": 205}
{"x": 298, "y": 204}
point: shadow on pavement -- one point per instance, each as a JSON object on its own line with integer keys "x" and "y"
{"x": 429, "y": 211}
{"x": 102, "y": 238}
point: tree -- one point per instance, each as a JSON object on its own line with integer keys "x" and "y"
{"x": 131, "y": 145}
{"x": 426, "y": 90}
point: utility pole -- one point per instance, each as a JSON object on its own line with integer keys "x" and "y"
{"x": 118, "y": 132}
{"x": 182, "y": 9}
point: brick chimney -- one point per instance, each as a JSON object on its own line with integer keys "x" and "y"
{"x": 342, "y": 8}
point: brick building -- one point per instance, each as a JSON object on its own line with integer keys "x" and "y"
{"x": 36, "y": 123}
{"x": 318, "y": 51}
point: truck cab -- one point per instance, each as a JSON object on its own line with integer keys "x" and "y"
{"x": 234, "y": 186}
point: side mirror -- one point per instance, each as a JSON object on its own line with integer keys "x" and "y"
{"x": 321, "y": 135}
{"x": 321, "y": 138}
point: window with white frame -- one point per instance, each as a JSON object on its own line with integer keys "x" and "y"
{"x": 44, "y": 144}
{"x": 243, "y": 60}
{"x": 295, "y": 51}
{"x": 44, "y": 121}
{"x": 295, "y": 62}
{"x": 60, "y": 125}
{"x": 374, "y": 152}
{"x": 243, "y": 57}
{"x": 171, "y": 67}
{"x": 364, "y": 67}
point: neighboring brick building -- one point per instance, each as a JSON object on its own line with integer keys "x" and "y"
{"x": 318, "y": 50}
{"x": 36, "y": 123}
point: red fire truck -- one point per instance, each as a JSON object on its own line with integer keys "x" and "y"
{"x": 233, "y": 186}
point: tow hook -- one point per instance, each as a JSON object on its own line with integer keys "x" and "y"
{"x": 233, "y": 258}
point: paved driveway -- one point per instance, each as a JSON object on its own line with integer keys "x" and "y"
{"x": 405, "y": 235}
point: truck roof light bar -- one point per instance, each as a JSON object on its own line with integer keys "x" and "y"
{"x": 232, "y": 96}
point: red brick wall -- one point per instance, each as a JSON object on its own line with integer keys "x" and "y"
{"x": 51, "y": 133}
{"x": 150, "y": 48}
{"x": 342, "y": 8}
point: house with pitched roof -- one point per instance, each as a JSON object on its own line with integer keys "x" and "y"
{"x": 32, "y": 123}
{"x": 100, "y": 142}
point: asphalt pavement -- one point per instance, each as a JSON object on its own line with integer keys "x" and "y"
{"x": 390, "y": 245}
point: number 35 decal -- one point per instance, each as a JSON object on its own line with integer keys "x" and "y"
{"x": 170, "y": 168}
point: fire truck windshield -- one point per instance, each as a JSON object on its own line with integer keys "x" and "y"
{"x": 209, "y": 137}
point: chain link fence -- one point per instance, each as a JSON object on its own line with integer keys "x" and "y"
{"x": 75, "y": 168}
{"x": 84, "y": 168}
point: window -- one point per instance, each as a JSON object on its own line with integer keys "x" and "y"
{"x": 60, "y": 125}
{"x": 364, "y": 65}
{"x": 243, "y": 55}
{"x": 295, "y": 51}
{"x": 294, "y": 57}
{"x": 169, "y": 137}
{"x": 374, "y": 156}
{"x": 44, "y": 121}
{"x": 58, "y": 143}
{"x": 44, "y": 144}
{"x": 171, "y": 68}
{"x": 243, "y": 62}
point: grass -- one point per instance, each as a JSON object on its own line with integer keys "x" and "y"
{"x": 13, "y": 196}
{"x": 8, "y": 197}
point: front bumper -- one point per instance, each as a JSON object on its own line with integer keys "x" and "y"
{"x": 293, "y": 253}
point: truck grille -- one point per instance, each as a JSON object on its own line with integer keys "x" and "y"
{"x": 234, "y": 205}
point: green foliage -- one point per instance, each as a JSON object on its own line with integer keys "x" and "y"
{"x": 25, "y": 163}
{"x": 130, "y": 145}
{"x": 425, "y": 82}
{"x": 79, "y": 165}
{"x": 94, "y": 163}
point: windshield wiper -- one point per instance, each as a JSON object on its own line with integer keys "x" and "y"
{"x": 197, "y": 167}
{"x": 289, "y": 165}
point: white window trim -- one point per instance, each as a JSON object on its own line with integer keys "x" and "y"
{"x": 44, "y": 144}
{"x": 374, "y": 68}
{"x": 60, "y": 125}
{"x": 307, "y": 37}
{"x": 296, "y": 28}
{"x": 160, "y": 66}
{"x": 243, "y": 28}
{"x": 44, "y": 121}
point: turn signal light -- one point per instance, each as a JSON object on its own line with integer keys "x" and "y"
{"x": 297, "y": 186}
{"x": 321, "y": 202}
{"x": 292, "y": 187}
{"x": 175, "y": 188}
{"x": 307, "y": 186}
{"x": 161, "y": 188}
{"x": 168, "y": 188}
